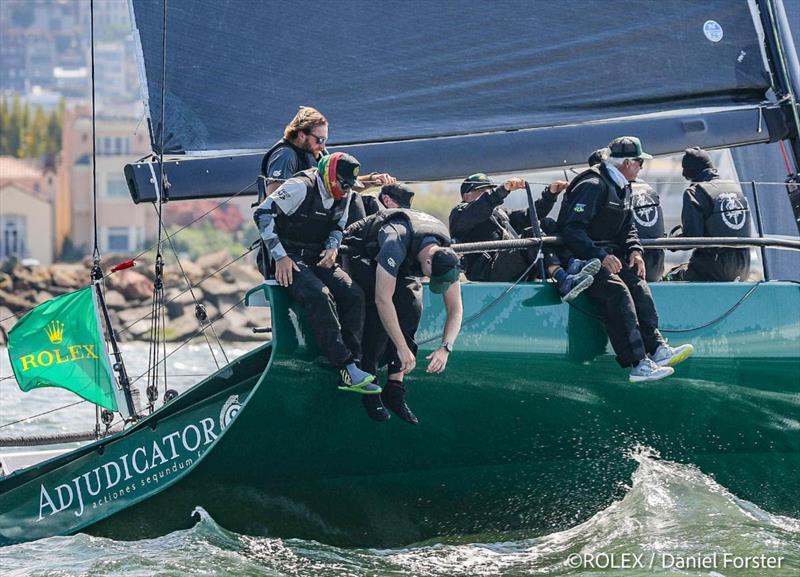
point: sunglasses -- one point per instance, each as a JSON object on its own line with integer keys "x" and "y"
{"x": 320, "y": 139}
{"x": 640, "y": 162}
{"x": 346, "y": 186}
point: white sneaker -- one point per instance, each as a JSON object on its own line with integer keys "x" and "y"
{"x": 647, "y": 370}
{"x": 667, "y": 356}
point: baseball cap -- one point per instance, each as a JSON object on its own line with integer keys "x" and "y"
{"x": 347, "y": 169}
{"x": 476, "y": 182}
{"x": 627, "y": 147}
{"x": 400, "y": 193}
{"x": 444, "y": 270}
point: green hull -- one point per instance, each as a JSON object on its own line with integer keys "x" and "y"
{"x": 528, "y": 429}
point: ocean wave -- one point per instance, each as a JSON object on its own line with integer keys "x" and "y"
{"x": 670, "y": 511}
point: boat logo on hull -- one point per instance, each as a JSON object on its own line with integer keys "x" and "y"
{"x": 229, "y": 410}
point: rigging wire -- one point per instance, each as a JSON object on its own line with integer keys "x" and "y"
{"x": 156, "y": 325}
{"x": 193, "y": 335}
{"x": 96, "y": 250}
{"x": 199, "y": 309}
{"x": 183, "y": 292}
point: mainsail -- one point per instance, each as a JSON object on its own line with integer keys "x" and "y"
{"x": 431, "y": 90}
{"x": 60, "y": 344}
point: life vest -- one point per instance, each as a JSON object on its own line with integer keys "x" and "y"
{"x": 479, "y": 266}
{"x": 612, "y": 213}
{"x": 264, "y": 179}
{"x": 311, "y": 224}
{"x": 647, "y": 213}
{"x": 362, "y": 236}
{"x": 729, "y": 215}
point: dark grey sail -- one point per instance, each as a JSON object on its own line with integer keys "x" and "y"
{"x": 428, "y": 89}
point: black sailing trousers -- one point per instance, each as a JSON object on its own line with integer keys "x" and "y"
{"x": 629, "y": 314}
{"x": 334, "y": 307}
{"x": 378, "y": 347}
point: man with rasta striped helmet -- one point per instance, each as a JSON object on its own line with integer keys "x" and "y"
{"x": 301, "y": 223}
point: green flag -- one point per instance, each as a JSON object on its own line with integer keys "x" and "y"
{"x": 59, "y": 344}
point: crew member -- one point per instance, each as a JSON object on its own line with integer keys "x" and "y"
{"x": 301, "y": 223}
{"x": 391, "y": 196}
{"x": 302, "y": 146}
{"x": 713, "y": 207}
{"x": 392, "y": 249}
{"x": 480, "y": 217}
{"x": 648, "y": 216}
{"x": 396, "y": 195}
{"x": 596, "y": 223}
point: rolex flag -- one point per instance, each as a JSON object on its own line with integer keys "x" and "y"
{"x": 60, "y": 344}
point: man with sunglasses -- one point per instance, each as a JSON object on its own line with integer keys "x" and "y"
{"x": 301, "y": 148}
{"x": 301, "y": 223}
{"x": 596, "y": 221}
{"x": 648, "y": 217}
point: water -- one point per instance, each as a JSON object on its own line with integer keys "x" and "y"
{"x": 673, "y": 520}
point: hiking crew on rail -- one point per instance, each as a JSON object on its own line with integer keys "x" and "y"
{"x": 595, "y": 222}
{"x": 390, "y": 251}
{"x": 480, "y": 217}
{"x": 301, "y": 223}
{"x": 715, "y": 207}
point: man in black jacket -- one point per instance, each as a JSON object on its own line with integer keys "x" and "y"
{"x": 396, "y": 195}
{"x": 301, "y": 223}
{"x": 595, "y": 221}
{"x": 648, "y": 217}
{"x": 713, "y": 207}
{"x": 481, "y": 217}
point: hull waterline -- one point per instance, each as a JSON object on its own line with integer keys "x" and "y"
{"x": 529, "y": 428}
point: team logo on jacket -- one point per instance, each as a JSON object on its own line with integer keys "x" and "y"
{"x": 733, "y": 212}
{"x": 579, "y": 207}
{"x": 645, "y": 213}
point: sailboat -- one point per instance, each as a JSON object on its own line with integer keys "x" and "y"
{"x": 531, "y": 424}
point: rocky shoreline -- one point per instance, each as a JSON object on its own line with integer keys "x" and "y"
{"x": 129, "y": 295}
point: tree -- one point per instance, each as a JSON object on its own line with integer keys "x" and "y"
{"x": 34, "y": 141}
{"x": 5, "y": 121}
{"x": 26, "y": 137}
{"x": 15, "y": 127}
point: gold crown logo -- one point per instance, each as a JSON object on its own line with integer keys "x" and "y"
{"x": 55, "y": 332}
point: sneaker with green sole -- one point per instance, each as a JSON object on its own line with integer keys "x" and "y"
{"x": 364, "y": 387}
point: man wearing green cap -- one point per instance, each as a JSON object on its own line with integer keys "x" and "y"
{"x": 390, "y": 251}
{"x": 480, "y": 217}
{"x": 596, "y": 221}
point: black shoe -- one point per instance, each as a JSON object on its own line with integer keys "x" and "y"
{"x": 394, "y": 397}
{"x": 375, "y": 409}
